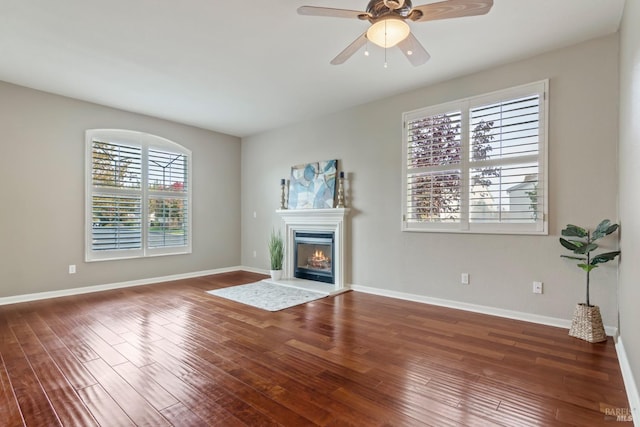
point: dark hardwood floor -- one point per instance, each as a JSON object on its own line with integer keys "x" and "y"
{"x": 170, "y": 354}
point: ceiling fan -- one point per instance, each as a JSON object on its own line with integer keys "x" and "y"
{"x": 388, "y": 27}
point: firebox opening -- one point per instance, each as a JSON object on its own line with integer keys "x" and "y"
{"x": 314, "y": 254}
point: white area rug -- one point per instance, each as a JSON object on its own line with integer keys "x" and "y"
{"x": 267, "y": 296}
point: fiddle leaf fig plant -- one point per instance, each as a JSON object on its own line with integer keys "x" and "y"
{"x": 582, "y": 243}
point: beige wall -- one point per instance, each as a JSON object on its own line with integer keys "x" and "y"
{"x": 42, "y": 193}
{"x": 367, "y": 141}
{"x": 629, "y": 293}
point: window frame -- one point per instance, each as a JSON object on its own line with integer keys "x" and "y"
{"x": 146, "y": 142}
{"x": 536, "y": 227}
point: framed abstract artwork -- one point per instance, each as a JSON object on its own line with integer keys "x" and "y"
{"x": 313, "y": 185}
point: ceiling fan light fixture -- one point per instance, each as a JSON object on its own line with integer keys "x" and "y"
{"x": 388, "y": 31}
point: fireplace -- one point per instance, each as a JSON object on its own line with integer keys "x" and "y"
{"x": 313, "y": 256}
{"x": 316, "y": 223}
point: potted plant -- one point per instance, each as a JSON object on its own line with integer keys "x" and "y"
{"x": 587, "y": 321}
{"x": 276, "y": 253}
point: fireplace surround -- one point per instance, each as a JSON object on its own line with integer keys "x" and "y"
{"x": 321, "y": 222}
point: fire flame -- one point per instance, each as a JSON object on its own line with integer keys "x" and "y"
{"x": 318, "y": 255}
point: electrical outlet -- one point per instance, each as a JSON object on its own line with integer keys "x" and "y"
{"x": 537, "y": 287}
{"x": 464, "y": 278}
{"x": 72, "y": 269}
{"x": 255, "y": 254}
{"x": 255, "y": 214}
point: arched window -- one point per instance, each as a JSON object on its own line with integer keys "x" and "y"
{"x": 138, "y": 195}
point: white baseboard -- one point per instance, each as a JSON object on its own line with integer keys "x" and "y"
{"x": 629, "y": 382}
{"x": 98, "y": 288}
{"x": 254, "y": 270}
{"x": 509, "y": 314}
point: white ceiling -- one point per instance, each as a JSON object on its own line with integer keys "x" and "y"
{"x": 242, "y": 67}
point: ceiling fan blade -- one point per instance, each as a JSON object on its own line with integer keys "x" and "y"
{"x": 350, "y": 50}
{"x": 450, "y": 9}
{"x": 328, "y": 11}
{"x": 413, "y": 50}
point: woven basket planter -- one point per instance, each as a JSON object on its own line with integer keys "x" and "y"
{"x": 587, "y": 324}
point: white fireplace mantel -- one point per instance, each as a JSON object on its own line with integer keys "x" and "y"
{"x": 317, "y": 220}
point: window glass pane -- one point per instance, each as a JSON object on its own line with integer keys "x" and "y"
{"x": 434, "y": 140}
{"x": 509, "y": 194}
{"x": 116, "y": 223}
{"x": 434, "y": 197}
{"x": 505, "y": 129}
{"x": 167, "y": 222}
{"x": 167, "y": 171}
{"x": 116, "y": 166}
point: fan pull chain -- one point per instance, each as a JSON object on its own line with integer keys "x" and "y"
{"x": 385, "y": 44}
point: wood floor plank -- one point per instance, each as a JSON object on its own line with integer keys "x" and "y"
{"x": 70, "y": 366}
{"x": 607, "y": 394}
{"x": 170, "y": 354}
{"x": 73, "y": 370}
{"x": 179, "y": 414}
{"x": 9, "y": 409}
{"x": 34, "y": 403}
{"x": 146, "y": 387}
{"x": 191, "y": 396}
{"x": 102, "y": 349}
{"x": 66, "y": 403}
{"x": 228, "y": 389}
{"x": 72, "y": 340}
{"x": 138, "y": 356}
{"x": 104, "y": 333}
{"x": 135, "y": 406}
{"x": 571, "y": 367}
{"x": 103, "y": 407}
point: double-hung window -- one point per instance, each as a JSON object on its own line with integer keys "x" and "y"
{"x": 478, "y": 165}
{"x": 138, "y": 195}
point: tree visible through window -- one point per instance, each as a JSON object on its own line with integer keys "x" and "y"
{"x": 477, "y": 164}
{"x": 138, "y": 195}
{"x": 434, "y": 142}
{"x": 167, "y": 225}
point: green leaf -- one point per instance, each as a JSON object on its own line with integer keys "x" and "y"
{"x": 577, "y": 246}
{"x": 579, "y": 258}
{"x": 574, "y": 231}
{"x": 586, "y": 248}
{"x": 604, "y": 228}
{"x": 606, "y": 257}
{"x": 604, "y": 224}
{"x": 569, "y": 245}
{"x": 276, "y": 250}
{"x": 587, "y": 267}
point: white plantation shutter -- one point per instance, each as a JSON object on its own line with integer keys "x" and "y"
{"x": 116, "y": 208}
{"x": 168, "y": 207}
{"x": 478, "y": 165}
{"x": 117, "y": 222}
{"x": 433, "y": 160}
{"x": 138, "y": 196}
{"x": 505, "y": 186}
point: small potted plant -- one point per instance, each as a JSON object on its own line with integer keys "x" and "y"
{"x": 276, "y": 253}
{"x": 587, "y": 320}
